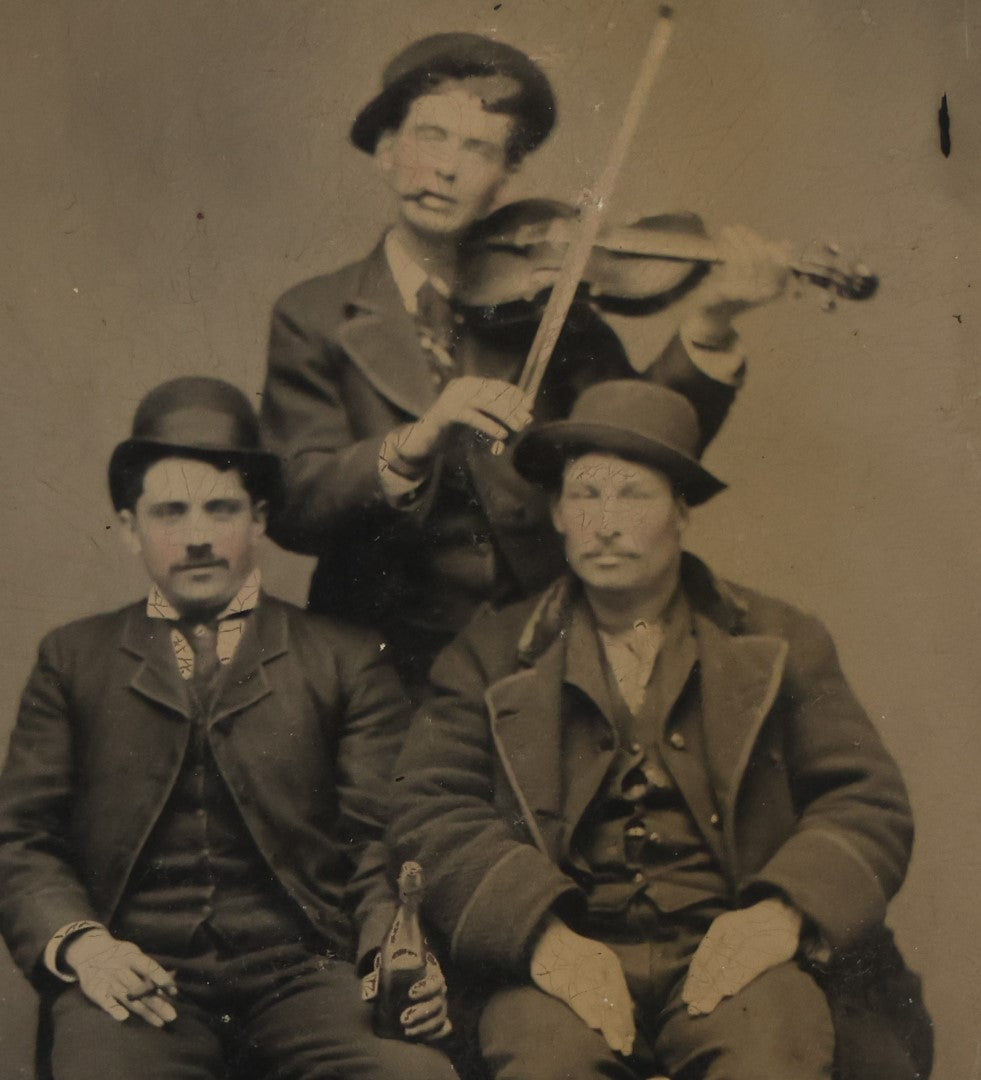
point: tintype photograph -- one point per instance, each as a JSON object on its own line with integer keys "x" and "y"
{"x": 491, "y": 587}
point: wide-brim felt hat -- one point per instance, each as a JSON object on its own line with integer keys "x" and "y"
{"x": 202, "y": 418}
{"x": 632, "y": 419}
{"x": 458, "y": 55}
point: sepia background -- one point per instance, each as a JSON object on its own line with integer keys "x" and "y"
{"x": 166, "y": 170}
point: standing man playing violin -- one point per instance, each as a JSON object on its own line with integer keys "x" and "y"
{"x": 384, "y": 398}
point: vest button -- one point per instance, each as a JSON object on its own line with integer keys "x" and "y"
{"x": 716, "y": 821}
{"x": 638, "y": 877}
{"x": 677, "y": 740}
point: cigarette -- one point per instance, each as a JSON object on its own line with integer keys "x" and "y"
{"x": 150, "y": 991}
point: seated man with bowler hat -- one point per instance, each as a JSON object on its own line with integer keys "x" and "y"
{"x": 383, "y": 396}
{"x": 657, "y": 824}
{"x": 191, "y": 803}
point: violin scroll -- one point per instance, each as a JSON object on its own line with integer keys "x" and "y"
{"x": 856, "y": 283}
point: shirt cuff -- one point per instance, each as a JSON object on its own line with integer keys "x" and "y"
{"x": 401, "y": 482}
{"x": 59, "y": 939}
{"x": 726, "y": 364}
{"x": 814, "y": 949}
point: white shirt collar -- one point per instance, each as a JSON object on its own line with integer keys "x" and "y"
{"x": 408, "y": 274}
{"x": 247, "y": 597}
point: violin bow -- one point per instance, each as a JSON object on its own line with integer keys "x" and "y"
{"x": 589, "y": 223}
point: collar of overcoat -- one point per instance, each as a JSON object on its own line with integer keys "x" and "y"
{"x": 740, "y": 676}
{"x": 244, "y": 683}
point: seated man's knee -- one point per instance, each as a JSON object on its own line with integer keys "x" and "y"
{"x": 415, "y": 1061}
{"x": 88, "y": 1044}
{"x": 527, "y": 1035}
{"x": 778, "y": 1025}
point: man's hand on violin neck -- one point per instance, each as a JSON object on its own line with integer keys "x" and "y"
{"x": 492, "y": 407}
{"x": 752, "y": 271}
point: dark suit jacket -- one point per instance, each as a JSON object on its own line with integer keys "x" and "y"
{"x": 802, "y": 799}
{"x": 346, "y": 368}
{"x": 304, "y": 733}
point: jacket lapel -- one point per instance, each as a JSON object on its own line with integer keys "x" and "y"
{"x": 156, "y": 678}
{"x": 526, "y": 725}
{"x": 245, "y": 683}
{"x": 381, "y": 339}
{"x": 584, "y": 671}
{"x": 740, "y": 678}
{"x": 527, "y": 722}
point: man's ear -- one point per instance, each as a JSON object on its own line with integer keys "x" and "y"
{"x": 553, "y": 509}
{"x": 383, "y": 151}
{"x": 260, "y": 516}
{"x": 131, "y": 538}
{"x": 684, "y": 512}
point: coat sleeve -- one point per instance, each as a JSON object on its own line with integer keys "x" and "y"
{"x": 712, "y": 398}
{"x": 377, "y": 712}
{"x": 329, "y": 472}
{"x": 39, "y": 889}
{"x": 488, "y": 887}
{"x": 849, "y": 853}
{"x": 590, "y": 351}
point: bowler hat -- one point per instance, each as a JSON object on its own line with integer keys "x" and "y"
{"x": 632, "y": 419}
{"x": 197, "y": 417}
{"x": 458, "y": 55}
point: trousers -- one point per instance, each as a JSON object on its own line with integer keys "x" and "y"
{"x": 291, "y": 1014}
{"x": 778, "y": 1026}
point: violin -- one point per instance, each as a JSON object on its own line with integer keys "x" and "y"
{"x": 542, "y": 250}
{"x": 513, "y": 257}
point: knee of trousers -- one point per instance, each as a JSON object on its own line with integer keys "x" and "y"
{"x": 413, "y": 1061}
{"x": 380, "y": 1059}
{"x": 779, "y": 1025}
{"x": 527, "y": 1035}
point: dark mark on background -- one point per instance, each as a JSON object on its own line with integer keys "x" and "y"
{"x": 200, "y": 215}
{"x": 944, "y": 117}
{"x": 958, "y": 318}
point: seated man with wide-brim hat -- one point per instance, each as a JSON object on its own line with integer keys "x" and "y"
{"x": 657, "y": 823}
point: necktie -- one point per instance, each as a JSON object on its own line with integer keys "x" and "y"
{"x": 438, "y": 331}
{"x": 203, "y": 639}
